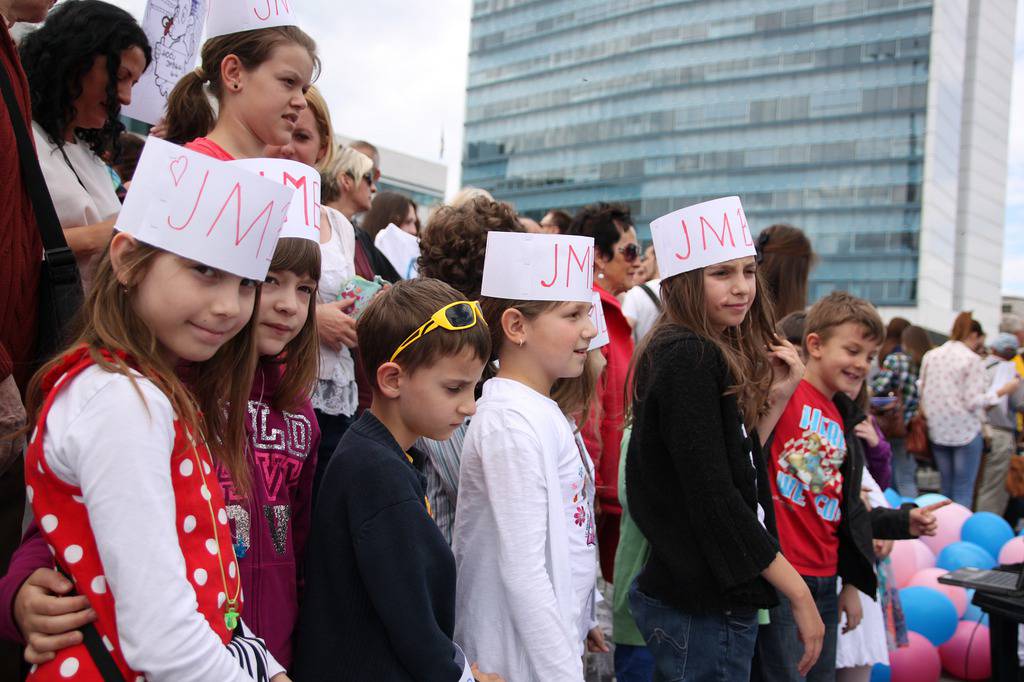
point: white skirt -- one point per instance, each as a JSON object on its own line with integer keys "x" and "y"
{"x": 867, "y": 644}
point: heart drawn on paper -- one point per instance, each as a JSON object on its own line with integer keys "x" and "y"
{"x": 178, "y": 168}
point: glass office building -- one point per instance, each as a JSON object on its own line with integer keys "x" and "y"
{"x": 852, "y": 119}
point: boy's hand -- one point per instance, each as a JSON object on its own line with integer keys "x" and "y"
{"x": 923, "y": 521}
{"x": 849, "y": 603}
{"x": 595, "y": 641}
{"x": 866, "y": 432}
{"x": 485, "y": 677}
{"x": 787, "y": 369}
{"x": 48, "y": 621}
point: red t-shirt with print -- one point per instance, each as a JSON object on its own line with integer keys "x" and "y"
{"x": 808, "y": 450}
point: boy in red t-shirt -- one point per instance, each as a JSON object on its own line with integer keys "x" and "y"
{"x": 815, "y": 466}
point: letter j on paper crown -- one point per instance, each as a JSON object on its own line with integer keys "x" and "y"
{"x": 701, "y": 235}
{"x": 203, "y": 209}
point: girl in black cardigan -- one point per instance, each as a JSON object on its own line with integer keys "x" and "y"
{"x": 710, "y": 382}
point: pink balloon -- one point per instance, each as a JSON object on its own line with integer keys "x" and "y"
{"x": 1013, "y": 551}
{"x": 951, "y": 520}
{"x": 904, "y": 561}
{"x": 925, "y": 556}
{"x": 929, "y": 577}
{"x": 967, "y": 655}
{"x": 917, "y": 662}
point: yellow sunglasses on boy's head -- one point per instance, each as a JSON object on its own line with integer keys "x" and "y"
{"x": 453, "y": 317}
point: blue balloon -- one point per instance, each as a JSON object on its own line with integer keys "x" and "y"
{"x": 908, "y": 500}
{"x": 893, "y": 498}
{"x": 929, "y": 498}
{"x": 960, "y": 554}
{"x": 987, "y": 530}
{"x": 929, "y": 613}
{"x": 881, "y": 673}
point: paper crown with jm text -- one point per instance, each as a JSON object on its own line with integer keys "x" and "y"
{"x": 538, "y": 267}
{"x": 203, "y": 209}
{"x": 235, "y": 16}
{"x": 303, "y": 219}
{"x": 701, "y": 235}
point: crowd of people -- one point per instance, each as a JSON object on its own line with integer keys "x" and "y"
{"x": 290, "y": 460}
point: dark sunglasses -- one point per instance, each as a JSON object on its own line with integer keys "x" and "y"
{"x": 630, "y": 252}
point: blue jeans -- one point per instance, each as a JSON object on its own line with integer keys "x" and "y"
{"x": 633, "y": 663}
{"x": 778, "y": 644}
{"x": 904, "y": 468}
{"x": 958, "y": 466}
{"x": 695, "y": 647}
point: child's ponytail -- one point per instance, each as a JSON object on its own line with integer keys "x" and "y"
{"x": 190, "y": 113}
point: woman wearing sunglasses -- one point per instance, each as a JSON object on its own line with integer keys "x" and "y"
{"x": 616, "y": 263}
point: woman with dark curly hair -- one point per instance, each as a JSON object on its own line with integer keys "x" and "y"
{"x": 81, "y": 66}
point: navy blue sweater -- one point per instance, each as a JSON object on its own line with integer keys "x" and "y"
{"x": 379, "y": 602}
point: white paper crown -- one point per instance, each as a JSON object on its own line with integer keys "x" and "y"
{"x": 700, "y": 235}
{"x": 538, "y": 267}
{"x": 597, "y": 317}
{"x": 204, "y": 209}
{"x": 235, "y": 16}
{"x": 303, "y": 218}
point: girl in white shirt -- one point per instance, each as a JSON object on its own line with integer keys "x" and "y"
{"x": 523, "y": 535}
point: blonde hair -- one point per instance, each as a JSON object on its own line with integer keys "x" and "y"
{"x": 214, "y": 404}
{"x": 575, "y": 395}
{"x": 468, "y": 194}
{"x": 349, "y": 162}
{"x": 322, "y": 116}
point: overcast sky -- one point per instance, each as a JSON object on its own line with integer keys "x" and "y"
{"x": 395, "y": 74}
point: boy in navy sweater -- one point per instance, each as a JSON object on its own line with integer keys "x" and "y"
{"x": 379, "y": 602}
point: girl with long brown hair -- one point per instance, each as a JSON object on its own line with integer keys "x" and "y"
{"x": 129, "y": 426}
{"x": 708, "y": 384}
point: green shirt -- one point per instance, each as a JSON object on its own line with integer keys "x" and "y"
{"x": 630, "y": 558}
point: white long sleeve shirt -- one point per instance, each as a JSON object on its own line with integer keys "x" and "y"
{"x": 102, "y": 437}
{"x": 516, "y": 610}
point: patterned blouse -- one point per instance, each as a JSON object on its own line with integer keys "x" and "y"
{"x": 954, "y": 393}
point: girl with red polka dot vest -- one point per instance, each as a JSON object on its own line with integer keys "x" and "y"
{"x": 121, "y": 466}
{"x": 269, "y": 519}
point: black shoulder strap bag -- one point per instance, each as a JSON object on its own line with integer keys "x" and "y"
{"x": 60, "y": 286}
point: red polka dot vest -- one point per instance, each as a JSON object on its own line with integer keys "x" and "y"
{"x": 201, "y": 521}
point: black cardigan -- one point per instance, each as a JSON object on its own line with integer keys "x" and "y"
{"x": 379, "y": 602}
{"x": 692, "y": 489}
